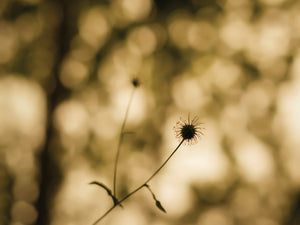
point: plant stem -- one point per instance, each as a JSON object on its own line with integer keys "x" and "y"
{"x": 141, "y": 186}
{"x": 119, "y": 144}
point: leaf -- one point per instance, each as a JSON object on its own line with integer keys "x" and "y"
{"x": 103, "y": 186}
{"x": 115, "y": 200}
{"x": 158, "y": 204}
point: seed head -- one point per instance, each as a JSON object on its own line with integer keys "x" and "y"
{"x": 188, "y": 130}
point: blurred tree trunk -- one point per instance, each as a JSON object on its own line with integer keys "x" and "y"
{"x": 50, "y": 170}
{"x": 293, "y": 217}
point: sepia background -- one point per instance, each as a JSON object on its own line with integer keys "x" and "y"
{"x": 65, "y": 81}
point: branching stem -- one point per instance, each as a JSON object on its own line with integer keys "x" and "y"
{"x": 120, "y": 143}
{"x": 141, "y": 186}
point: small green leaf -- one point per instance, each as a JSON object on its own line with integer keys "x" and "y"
{"x": 158, "y": 204}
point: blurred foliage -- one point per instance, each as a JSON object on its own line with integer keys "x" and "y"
{"x": 65, "y": 80}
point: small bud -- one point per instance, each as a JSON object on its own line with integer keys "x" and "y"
{"x": 135, "y": 82}
{"x": 158, "y": 204}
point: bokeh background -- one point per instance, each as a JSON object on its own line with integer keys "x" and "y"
{"x": 65, "y": 81}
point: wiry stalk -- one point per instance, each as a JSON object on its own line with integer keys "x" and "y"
{"x": 141, "y": 186}
{"x": 120, "y": 143}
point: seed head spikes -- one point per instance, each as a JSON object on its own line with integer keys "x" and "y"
{"x": 188, "y": 130}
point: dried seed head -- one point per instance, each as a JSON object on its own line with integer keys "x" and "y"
{"x": 189, "y": 131}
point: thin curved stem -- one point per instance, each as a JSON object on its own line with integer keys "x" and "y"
{"x": 141, "y": 186}
{"x": 156, "y": 172}
{"x": 120, "y": 143}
